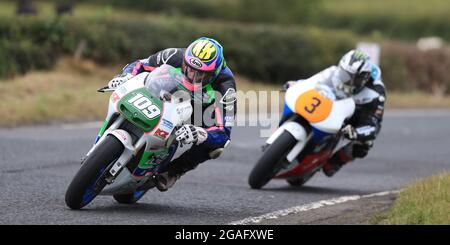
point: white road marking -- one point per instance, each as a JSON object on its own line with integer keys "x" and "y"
{"x": 308, "y": 207}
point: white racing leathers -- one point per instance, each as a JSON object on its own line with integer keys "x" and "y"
{"x": 369, "y": 108}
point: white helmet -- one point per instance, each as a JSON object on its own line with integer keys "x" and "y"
{"x": 353, "y": 73}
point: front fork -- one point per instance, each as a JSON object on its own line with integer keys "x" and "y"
{"x": 97, "y": 139}
{"x": 130, "y": 149}
{"x": 102, "y": 130}
{"x": 149, "y": 161}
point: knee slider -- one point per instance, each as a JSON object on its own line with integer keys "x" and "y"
{"x": 217, "y": 152}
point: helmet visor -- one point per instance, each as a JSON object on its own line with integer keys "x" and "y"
{"x": 344, "y": 81}
{"x": 344, "y": 76}
{"x": 351, "y": 83}
{"x": 199, "y": 79}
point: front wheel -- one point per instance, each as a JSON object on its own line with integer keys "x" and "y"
{"x": 271, "y": 161}
{"x": 90, "y": 179}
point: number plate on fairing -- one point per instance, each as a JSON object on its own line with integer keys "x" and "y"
{"x": 141, "y": 108}
{"x": 313, "y": 106}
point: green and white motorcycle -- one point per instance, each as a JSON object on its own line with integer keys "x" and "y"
{"x": 136, "y": 139}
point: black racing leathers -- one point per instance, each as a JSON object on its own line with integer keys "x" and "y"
{"x": 367, "y": 121}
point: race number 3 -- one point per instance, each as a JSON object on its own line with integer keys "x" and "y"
{"x": 313, "y": 106}
{"x": 145, "y": 105}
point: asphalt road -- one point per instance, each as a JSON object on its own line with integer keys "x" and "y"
{"x": 37, "y": 164}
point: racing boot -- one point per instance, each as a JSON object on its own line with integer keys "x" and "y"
{"x": 331, "y": 168}
{"x": 185, "y": 163}
{"x": 335, "y": 163}
{"x": 167, "y": 179}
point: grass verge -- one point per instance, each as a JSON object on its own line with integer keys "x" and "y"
{"x": 68, "y": 94}
{"x": 426, "y": 202}
{"x": 416, "y": 99}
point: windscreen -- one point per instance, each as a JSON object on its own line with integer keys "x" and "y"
{"x": 164, "y": 80}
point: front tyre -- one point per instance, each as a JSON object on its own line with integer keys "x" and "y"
{"x": 89, "y": 180}
{"x": 271, "y": 161}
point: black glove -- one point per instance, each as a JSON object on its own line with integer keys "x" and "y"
{"x": 289, "y": 84}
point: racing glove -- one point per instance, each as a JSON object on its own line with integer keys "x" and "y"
{"x": 119, "y": 80}
{"x": 289, "y": 84}
{"x": 364, "y": 133}
{"x": 191, "y": 134}
{"x": 349, "y": 132}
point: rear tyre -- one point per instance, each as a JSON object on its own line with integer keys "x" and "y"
{"x": 271, "y": 161}
{"x": 89, "y": 180}
{"x": 297, "y": 182}
{"x": 130, "y": 198}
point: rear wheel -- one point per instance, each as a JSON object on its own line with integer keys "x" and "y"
{"x": 271, "y": 161}
{"x": 90, "y": 179}
{"x": 129, "y": 198}
{"x": 297, "y": 182}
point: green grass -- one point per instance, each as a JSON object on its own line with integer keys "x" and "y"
{"x": 406, "y": 19}
{"x": 416, "y": 99}
{"x": 426, "y": 202}
{"x": 403, "y": 9}
{"x": 400, "y": 8}
{"x": 66, "y": 94}
{"x": 84, "y": 11}
{"x": 401, "y": 19}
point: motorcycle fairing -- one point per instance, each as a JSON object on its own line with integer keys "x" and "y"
{"x": 322, "y": 113}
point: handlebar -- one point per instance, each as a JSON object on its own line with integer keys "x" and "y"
{"x": 105, "y": 89}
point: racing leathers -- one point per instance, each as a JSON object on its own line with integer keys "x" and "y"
{"x": 365, "y": 124}
{"x": 222, "y": 109}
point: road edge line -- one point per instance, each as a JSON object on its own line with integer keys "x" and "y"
{"x": 307, "y": 207}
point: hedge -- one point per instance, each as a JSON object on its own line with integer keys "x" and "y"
{"x": 406, "y": 68}
{"x": 404, "y": 19}
{"x": 262, "y": 52}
